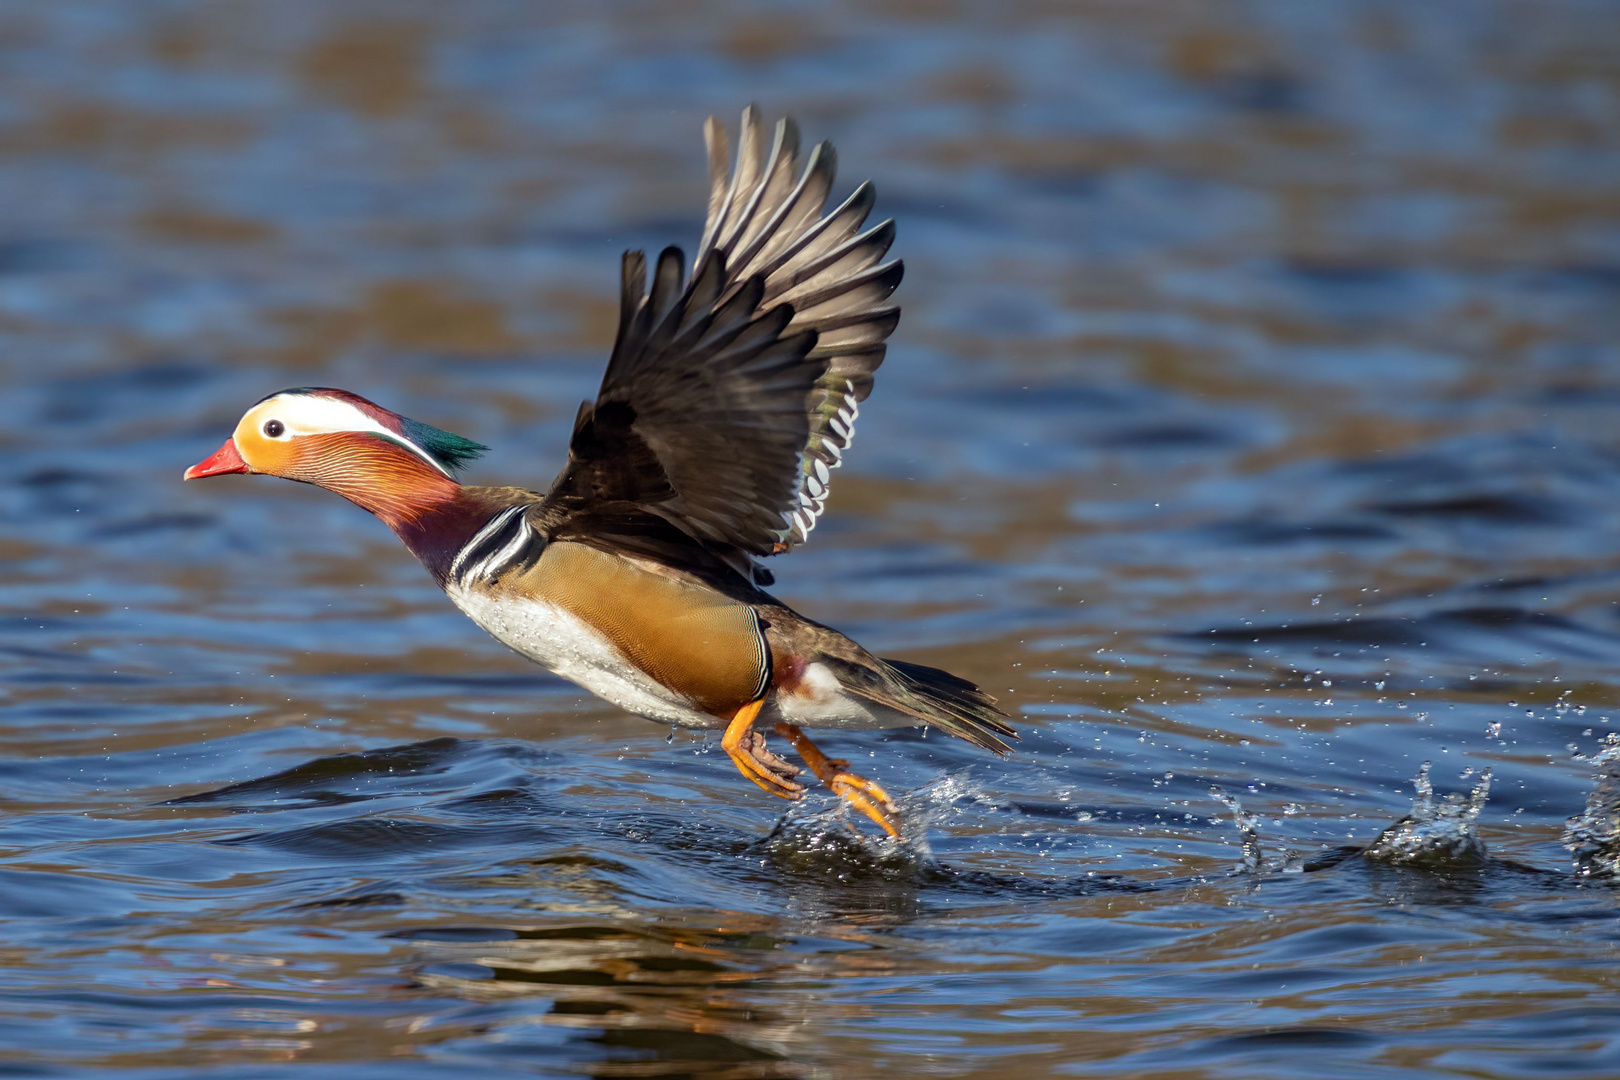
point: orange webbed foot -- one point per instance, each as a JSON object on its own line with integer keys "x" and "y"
{"x": 747, "y": 750}
{"x": 863, "y": 794}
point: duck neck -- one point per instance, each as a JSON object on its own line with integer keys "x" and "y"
{"x": 432, "y": 514}
{"x": 436, "y": 532}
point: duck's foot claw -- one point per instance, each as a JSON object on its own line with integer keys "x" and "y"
{"x": 747, "y": 750}
{"x": 766, "y": 769}
{"x": 870, "y": 799}
{"x": 754, "y": 746}
{"x": 863, "y": 794}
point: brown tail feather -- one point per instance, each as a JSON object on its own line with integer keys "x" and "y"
{"x": 935, "y": 697}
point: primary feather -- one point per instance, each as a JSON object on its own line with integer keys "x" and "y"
{"x": 732, "y": 393}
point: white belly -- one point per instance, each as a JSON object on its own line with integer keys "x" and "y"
{"x": 561, "y": 643}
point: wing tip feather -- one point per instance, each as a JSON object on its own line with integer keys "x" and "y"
{"x": 767, "y": 212}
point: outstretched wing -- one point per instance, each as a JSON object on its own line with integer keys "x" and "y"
{"x": 732, "y": 394}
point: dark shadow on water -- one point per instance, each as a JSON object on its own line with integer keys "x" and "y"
{"x": 314, "y": 781}
{"x": 1291, "y": 1039}
{"x": 354, "y": 777}
{"x": 1266, "y": 532}
{"x": 1462, "y": 884}
{"x": 1510, "y": 508}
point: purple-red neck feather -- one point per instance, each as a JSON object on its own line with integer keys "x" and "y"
{"x": 430, "y": 512}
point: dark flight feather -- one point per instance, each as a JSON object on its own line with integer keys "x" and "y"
{"x": 731, "y": 394}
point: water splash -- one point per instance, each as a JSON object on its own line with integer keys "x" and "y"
{"x": 818, "y": 830}
{"x": 1248, "y": 827}
{"x": 1437, "y": 834}
{"x": 1593, "y": 836}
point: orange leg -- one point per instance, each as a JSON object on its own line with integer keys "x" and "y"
{"x": 746, "y": 748}
{"x": 859, "y": 792}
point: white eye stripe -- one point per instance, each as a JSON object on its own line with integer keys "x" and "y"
{"x": 303, "y": 414}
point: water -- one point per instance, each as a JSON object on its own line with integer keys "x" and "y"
{"x": 1438, "y": 835}
{"x": 1251, "y": 424}
{"x": 1593, "y": 835}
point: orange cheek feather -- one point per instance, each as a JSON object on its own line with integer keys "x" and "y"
{"x": 270, "y": 456}
{"x": 376, "y": 474}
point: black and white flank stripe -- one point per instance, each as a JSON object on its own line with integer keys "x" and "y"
{"x": 507, "y": 543}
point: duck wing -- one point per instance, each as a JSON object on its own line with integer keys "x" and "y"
{"x": 732, "y": 393}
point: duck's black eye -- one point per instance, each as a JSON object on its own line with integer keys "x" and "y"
{"x": 274, "y": 428}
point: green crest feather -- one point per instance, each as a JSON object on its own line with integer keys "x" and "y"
{"x": 448, "y": 449}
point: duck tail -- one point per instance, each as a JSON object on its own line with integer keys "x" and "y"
{"x": 937, "y": 698}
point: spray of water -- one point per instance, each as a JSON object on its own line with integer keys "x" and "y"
{"x": 1438, "y": 834}
{"x": 1593, "y": 836}
{"x": 822, "y": 828}
{"x": 1248, "y": 828}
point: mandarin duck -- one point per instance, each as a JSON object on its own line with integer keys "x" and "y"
{"x": 730, "y": 395}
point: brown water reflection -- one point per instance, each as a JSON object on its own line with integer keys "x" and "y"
{"x": 1250, "y": 424}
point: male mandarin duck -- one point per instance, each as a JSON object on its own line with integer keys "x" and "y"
{"x": 730, "y": 396}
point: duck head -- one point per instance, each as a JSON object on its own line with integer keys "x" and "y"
{"x": 393, "y": 466}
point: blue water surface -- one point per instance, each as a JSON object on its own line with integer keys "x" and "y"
{"x": 1253, "y": 422}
